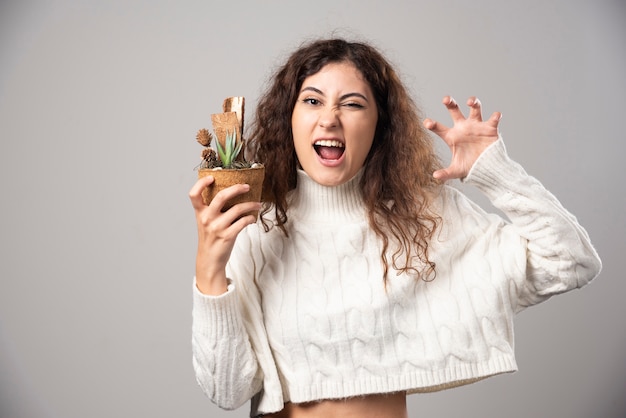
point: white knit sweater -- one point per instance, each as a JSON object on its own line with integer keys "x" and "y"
{"x": 308, "y": 318}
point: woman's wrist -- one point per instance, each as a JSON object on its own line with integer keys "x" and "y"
{"x": 213, "y": 286}
{"x": 210, "y": 281}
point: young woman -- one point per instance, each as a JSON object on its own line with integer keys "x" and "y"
{"x": 367, "y": 278}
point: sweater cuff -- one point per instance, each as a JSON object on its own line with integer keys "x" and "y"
{"x": 494, "y": 172}
{"x": 216, "y": 315}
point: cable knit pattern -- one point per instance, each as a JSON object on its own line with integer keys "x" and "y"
{"x": 308, "y": 317}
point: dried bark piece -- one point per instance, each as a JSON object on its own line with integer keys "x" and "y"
{"x": 223, "y": 123}
{"x": 235, "y": 104}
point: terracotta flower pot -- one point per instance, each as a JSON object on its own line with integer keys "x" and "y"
{"x": 227, "y": 177}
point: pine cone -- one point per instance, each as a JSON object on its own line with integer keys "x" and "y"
{"x": 210, "y": 157}
{"x": 204, "y": 137}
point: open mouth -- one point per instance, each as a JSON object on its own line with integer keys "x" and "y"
{"x": 329, "y": 149}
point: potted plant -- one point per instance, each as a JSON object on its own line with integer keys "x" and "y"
{"x": 226, "y": 163}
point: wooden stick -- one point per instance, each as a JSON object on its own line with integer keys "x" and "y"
{"x": 235, "y": 104}
{"x": 223, "y": 123}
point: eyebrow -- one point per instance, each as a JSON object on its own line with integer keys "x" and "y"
{"x": 343, "y": 97}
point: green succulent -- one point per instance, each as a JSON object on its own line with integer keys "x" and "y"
{"x": 231, "y": 149}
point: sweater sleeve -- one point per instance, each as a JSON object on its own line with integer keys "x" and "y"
{"x": 560, "y": 256}
{"x": 225, "y": 365}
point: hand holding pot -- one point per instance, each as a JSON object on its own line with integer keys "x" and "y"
{"x": 217, "y": 232}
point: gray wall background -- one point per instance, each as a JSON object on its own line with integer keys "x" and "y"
{"x": 99, "y": 105}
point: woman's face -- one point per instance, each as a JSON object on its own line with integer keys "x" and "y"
{"x": 333, "y": 123}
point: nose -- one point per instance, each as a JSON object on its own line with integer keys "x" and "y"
{"x": 328, "y": 118}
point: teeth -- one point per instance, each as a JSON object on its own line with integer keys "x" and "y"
{"x": 329, "y": 143}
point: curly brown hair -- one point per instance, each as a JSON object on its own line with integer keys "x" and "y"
{"x": 397, "y": 182}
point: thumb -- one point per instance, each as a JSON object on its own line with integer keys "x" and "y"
{"x": 450, "y": 173}
{"x": 443, "y": 174}
{"x": 195, "y": 194}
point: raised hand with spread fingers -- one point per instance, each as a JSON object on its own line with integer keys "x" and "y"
{"x": 467, "y": 138}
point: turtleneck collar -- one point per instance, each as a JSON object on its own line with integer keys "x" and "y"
{"x": 313, "y": 202}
